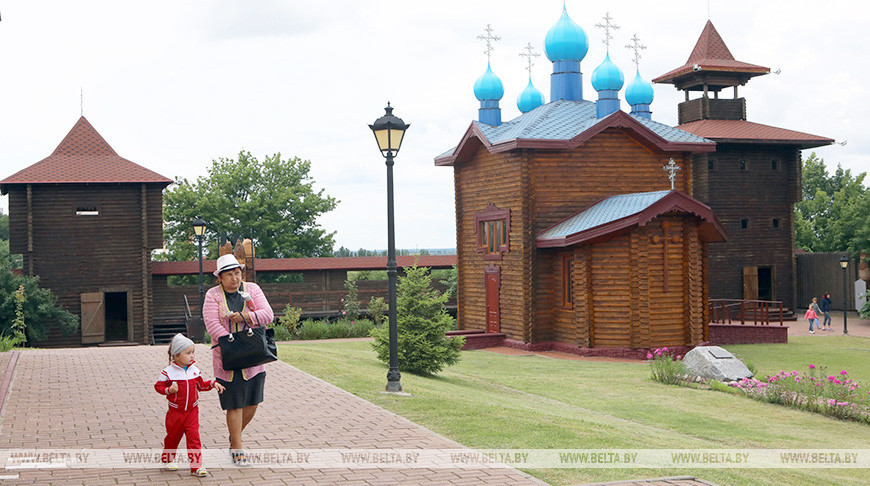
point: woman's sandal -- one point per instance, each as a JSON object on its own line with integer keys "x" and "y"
{"x": 200, "y": 473}
{"x": 240, "y": 459}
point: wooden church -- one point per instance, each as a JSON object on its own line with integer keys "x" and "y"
{"x": 575, "y": 224}
{"x": 86, "y": 221}
{"x": 751, "y": 180}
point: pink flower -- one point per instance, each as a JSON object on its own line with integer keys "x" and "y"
{"x": 797, "y": 378}
{"x": 648, "y": 355}
{"x": 658, "y": 352}
{"x": 844, "y": 373}
{"x": 665, "y": 350}
{"x": 812, "y": 366}
{"x": 679, "y": 357}
{"x": 831, "y": 401}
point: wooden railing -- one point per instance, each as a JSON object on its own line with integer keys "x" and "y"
{"x": 756, "y": 312}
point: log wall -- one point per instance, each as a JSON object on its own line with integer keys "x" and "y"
{"x": 72, "y": 254}
{"x": 758, "y": 194}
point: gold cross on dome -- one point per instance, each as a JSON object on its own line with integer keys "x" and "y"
{"x": 636, "y": 46}
{"x": 489, "y": 38}
{"x": 607, "y": 26}
{"x": 672, "y": 169}
{"x": 529, "y": 55}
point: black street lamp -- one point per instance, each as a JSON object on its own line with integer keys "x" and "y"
{"x": 389, "y": 131}
{"x": 844, "y": 263}
{"x": 199, "y": 229}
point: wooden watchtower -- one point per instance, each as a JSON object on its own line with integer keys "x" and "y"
{"x": 751, "y": 181}
{"x": 86, "y": 221}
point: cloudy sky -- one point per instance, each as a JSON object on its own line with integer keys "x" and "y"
{"x": 172, "y": 85}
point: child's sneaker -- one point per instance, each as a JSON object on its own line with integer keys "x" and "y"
{"x": 200, "y": 473}
{"x": 812, "y": 332}
{"x": 170, "y": 466}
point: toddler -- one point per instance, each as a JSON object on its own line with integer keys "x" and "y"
{"x": 181, "y": 382}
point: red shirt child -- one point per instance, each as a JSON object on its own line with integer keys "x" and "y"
{"x": 181, "y": 382}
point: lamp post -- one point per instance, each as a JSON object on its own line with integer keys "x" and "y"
{"x": 844, "y": 263}
{"x": 389, "y": 131}
{"x": 199, "y": 229}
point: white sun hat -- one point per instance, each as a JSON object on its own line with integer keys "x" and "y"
{"x": 227, "y": 262}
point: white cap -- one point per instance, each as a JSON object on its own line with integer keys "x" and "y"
{"x": 179, "y": 343}
{"x": 227, "y": 262}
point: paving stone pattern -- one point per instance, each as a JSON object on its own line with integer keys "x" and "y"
{"x": 103, "y": 398}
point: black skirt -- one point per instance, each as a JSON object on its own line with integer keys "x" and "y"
{"x": 241, "y": 393}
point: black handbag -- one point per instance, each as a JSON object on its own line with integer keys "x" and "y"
{"x": 252, "y": 346}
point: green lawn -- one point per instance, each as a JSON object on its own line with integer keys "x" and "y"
{"x": 495, "y": 401}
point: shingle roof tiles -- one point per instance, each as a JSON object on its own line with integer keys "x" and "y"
{"x": 84, "y": 156}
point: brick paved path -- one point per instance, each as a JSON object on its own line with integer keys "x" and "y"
{"x": 103, "y": 398}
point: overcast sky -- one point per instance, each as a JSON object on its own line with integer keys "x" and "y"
{"x": 172, "y": 85}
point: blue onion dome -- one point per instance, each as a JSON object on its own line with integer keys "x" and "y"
{"x": 566, "y": 41}
{"x": 530, "y": 98}
{"x": 607, "y": 76}
{"x": 639, "y": 91}
{"x": 488, "y": 86}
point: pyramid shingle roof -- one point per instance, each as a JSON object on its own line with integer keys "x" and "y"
{"x": 712, "y": 55}
{"x": 83, "y": 156}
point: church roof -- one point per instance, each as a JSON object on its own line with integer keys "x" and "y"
{"x": 83, "y": 156}
{"x": 616, "y": 213}
{"x": 749, "y": 132}
{"x": 565, "y": 124}
{"x": 711, "y": 55}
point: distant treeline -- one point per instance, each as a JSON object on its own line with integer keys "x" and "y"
{"x": 362, "y": 252}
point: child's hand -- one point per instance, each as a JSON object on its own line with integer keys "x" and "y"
{"x": 220, "y": 388}
{"x": 172, "y": 389}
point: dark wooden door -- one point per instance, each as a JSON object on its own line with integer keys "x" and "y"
{"x": 492, "y": 302}
{"x": 750, "y": 283}
{"x": 93, "y": 318}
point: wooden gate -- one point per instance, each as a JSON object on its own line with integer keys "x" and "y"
{"x": 93, "y": 318}
{"x": 492, "y": 283}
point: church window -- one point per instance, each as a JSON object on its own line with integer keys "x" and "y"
{"x": 744, "y": 166}
{"x": 567, "y": 280}
{"x": 774, "y": 164}
{"x": 493, "y": 226}
{"x": 711, "y": 165}
{"x": 744, "y": 223}
{"x": 775, "y": 223}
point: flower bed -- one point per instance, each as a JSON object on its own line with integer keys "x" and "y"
{"x": 813, "y": 390}
{"x": 665, "y": 367}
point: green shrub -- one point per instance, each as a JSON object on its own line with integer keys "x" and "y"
{"x": 378, "y": 309}
{"x": 350, "y": 302}
{"x": 665, "y": 367}
{"x": 290, "y": 319}
{"x": 38, "y": 307}
{"x": 422, "y": 323}
{"x": 342, "y": 328}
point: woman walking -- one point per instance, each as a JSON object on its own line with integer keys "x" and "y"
{"x": 227, "y": 308}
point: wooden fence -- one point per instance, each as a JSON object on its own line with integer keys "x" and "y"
{"x": 819, "y": 274}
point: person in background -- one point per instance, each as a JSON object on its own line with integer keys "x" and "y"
{"x": 826, "y": 311}
{"x": 810, "y": 316}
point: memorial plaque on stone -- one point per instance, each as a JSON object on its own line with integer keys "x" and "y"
{"x": 719, "y": 353}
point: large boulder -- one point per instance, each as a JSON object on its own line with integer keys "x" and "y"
{"x": 713, "y": 362}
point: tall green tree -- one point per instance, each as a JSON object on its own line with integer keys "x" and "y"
{"x": 421, "y": 324}
{"x": 273, "y": 200}
{"x": 834, "y": 214}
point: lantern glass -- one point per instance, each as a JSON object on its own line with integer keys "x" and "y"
{"x": 199, "y": 227}
{"x": 844, "y": 262}
{"x": 389, "y": 131}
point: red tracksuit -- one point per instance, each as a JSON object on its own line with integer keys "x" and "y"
{"x": 182, "y": 418}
